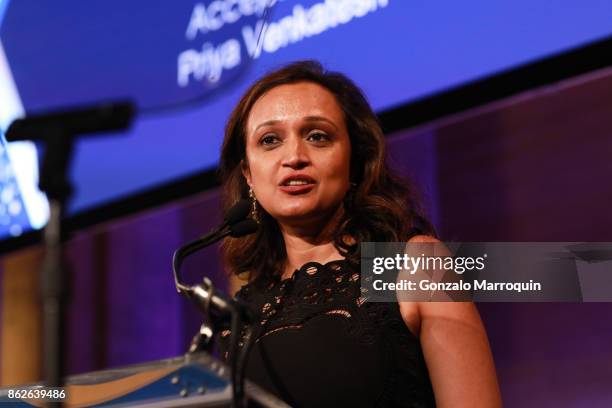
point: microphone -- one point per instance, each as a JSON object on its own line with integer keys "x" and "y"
{"x": 238, "y": 212}
{"x": 234, "y": 216}
{"x": 235, "y": 224}
{"x": 243, "y": 228}
{"x": 103, "y": 117}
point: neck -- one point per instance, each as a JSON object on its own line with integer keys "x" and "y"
{"x": 306, "y": 244}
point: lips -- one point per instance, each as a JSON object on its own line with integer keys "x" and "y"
{"x": 297, "y": 184}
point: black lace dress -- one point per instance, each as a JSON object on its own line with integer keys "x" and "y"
{"x": 319, "y": 344}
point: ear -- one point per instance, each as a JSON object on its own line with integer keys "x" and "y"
{"x": 244, "y": 167}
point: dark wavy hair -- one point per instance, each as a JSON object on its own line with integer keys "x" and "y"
{"x": 379, "y": 207}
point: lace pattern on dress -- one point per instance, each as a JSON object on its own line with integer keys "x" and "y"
{"x": 333, "y": 289}
{"x": 314, "y": 290}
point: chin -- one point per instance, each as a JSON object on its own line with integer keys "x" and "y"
{"x": 300, "y": 212}
{"x": 294, "y": 213}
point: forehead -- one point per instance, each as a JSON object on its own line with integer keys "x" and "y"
{"x": 293, "y": 101}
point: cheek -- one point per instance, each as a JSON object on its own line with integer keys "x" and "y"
{"x": 337, "y": 172}
{"x": 339, "y": 164}
{"x": 262, "y": 174}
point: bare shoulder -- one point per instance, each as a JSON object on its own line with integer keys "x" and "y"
{"x": 414, "y": 312}
{"x": 410, "y": 311}
{"x": 423, "y": 239}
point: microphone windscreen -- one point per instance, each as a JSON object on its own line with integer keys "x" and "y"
{"x": 101, "y": 117}
{"x": 238, "y": 212}
{"x": 243, "y": 228}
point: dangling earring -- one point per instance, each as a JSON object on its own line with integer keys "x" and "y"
{"x": 254, "y": 214}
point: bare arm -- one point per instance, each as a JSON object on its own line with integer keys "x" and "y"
{"x": 456, "y": 351}
{"x": 458, "y": 356}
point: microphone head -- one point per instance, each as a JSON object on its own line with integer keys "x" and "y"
{"x": 238, "y": 212}
{"x": 243, "y": 228}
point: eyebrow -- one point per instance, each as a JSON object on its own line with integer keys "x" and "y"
{"x": 312, "y": 118}
{"x": 320, "y": 119}
{"x": 266, "y": 123}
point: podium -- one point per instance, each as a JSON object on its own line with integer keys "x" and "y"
{"x": 188, "y": 381}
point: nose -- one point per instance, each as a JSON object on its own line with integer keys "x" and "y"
{"x": 296, "y": 153}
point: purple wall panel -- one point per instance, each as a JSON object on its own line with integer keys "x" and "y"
{"x": 144, "y": 317}
{"x": 85, "y": 326}
{"x": 538, "y": 169}
{"x": 199, "y": 217}
{"x": 552, "y": 354}
{"x": 413, "y": 155}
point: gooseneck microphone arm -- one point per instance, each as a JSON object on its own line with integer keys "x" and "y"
{"x": 236, "y": 215}
{"x": 212, "y": 302}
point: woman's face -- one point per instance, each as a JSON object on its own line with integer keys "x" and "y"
{"x": 298, "y": 152}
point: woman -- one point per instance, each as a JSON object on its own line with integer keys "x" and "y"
{"x": 307, "y": 149}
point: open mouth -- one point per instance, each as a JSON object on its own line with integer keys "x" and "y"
{"x": 297, "y": 184}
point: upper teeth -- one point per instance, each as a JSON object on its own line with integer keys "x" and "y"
{"x": 296, "y": 182}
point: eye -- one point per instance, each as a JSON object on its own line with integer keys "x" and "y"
{"x": 318, "y": 137}
{"x": 268, "y": 140}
